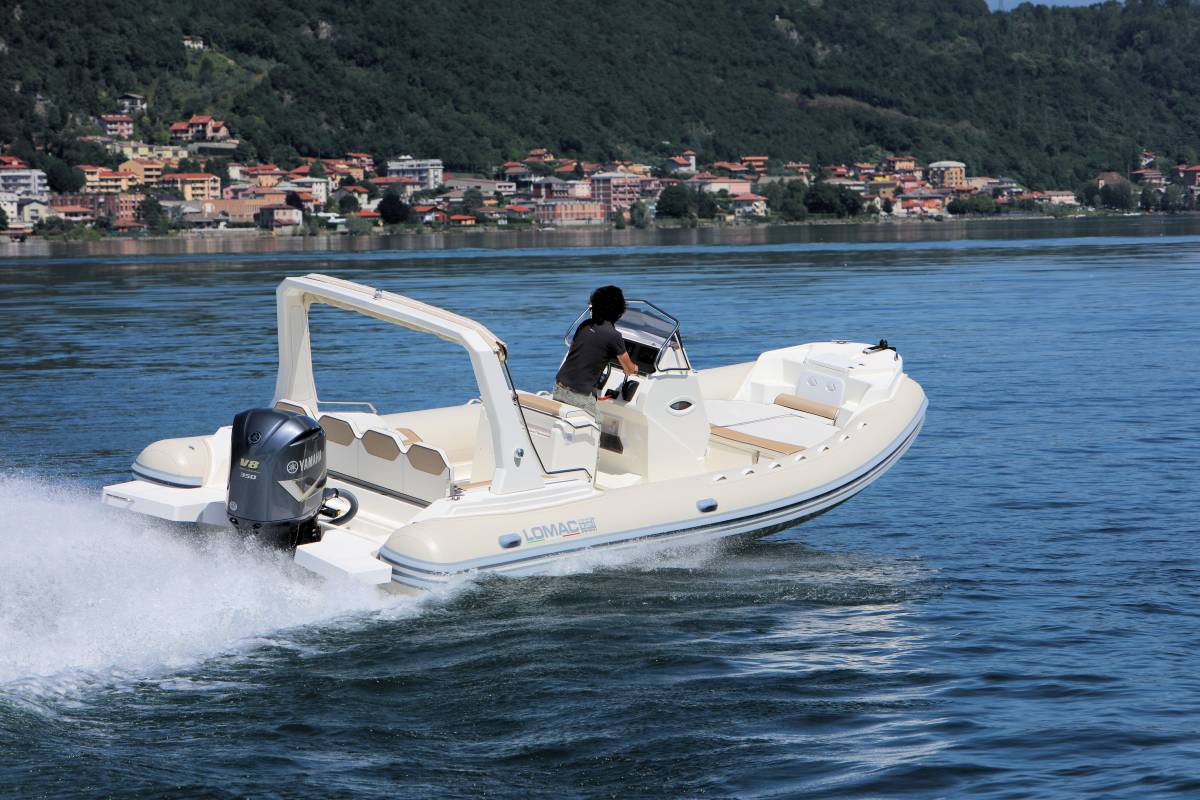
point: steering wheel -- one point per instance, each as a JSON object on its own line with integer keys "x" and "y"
{"x": 605, "y": 374}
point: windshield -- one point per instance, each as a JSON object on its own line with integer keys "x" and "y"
{"x": 645, "y": 324}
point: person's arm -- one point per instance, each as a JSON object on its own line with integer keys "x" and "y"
{"x": 627, "y": 364}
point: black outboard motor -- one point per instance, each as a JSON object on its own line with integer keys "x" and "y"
{"x": 277, "y": 477}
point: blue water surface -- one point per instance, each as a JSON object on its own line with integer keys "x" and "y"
{"x": 1010, "y": 612}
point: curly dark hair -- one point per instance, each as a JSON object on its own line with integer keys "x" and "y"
{"x": 608, "y": 304}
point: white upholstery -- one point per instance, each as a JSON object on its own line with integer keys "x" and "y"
{"x": 566, "y": 437}
{"x": 382, "y": 457}
{"x": 791, "y": 428}
{"x": 728, "y": 413}
{"x": 768, "y": 422}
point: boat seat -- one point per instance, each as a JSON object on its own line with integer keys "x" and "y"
{"x": 760, "y": 443}
{"x": 341, "y": 451}
{"x": 551, "y": 407}
{"x": 565, "y": 436}
{"x": 415, "y": 470}
{"x": 295, "y": 407}
{"x": 732, "y": 413}
{"x": 803, "y": 404}
{"x": 386, "y": 460}
{"x": 409, "y": 434}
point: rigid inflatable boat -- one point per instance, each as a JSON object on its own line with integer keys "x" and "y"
{"x": 512, "y": 481}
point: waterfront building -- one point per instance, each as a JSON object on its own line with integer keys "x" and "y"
{"x": 194, "y": 185}
{"x": 169, "y": 153}
{"x": 571, "y": 212}
{"x": 895, "y": 164}
{"x": 130, "y": 103}
{"x": 24, "y": 182}
{"x": 428, "y": 172}
{"x": 1149, "y": 177}
{"x": 317, "y": 187}
{"x": 280, "y": 218}
{"x": 199, "y": 128}
{"x": 947, "y": 173}
{"x": 750, "y": 205}
{"x": 9, "y": 204}
{"x": 756, "y": 164}
{"x": 404, "y": 186}
{"x": 364, "y": 161}
{"x": 487, "y": 186}
{"x": 118, "y": 126}
{"x": 32, "y": 210}
{"x": 122, "y": 209}
{"x": 715, "y": 184}
{"x": 616, "y": 190}
{"x": 145, "y": 171}
{"x": 98, "y": 180}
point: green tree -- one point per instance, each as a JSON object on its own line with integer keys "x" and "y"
{"x": 618, "y": 218}
{"x": 1089, "y": 194}
{"x": 1117, "y": 196}
{"x": 472, "y": 200}
{"x": 392, "y": 210}
{"x": 151, "y": 214}
{"x": 1172, "y": 200}
{"x": 348, "y": 204}
{"x": 824, "y": 198}
{"x": 674, "y": 201}
{"x": 317, "y": 169}
{"x": 3, "y": 219}
{"x": 61, "y": 177}
{"x": 706, "y": 205}
{"x": 293, "y": 199}
{"x": 220, "y": 168}
{"x": 1148, "y": 201}
{"x": 639, "y": 215}
{"x": 974, "y": 204}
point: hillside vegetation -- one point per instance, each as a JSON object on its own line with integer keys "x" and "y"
{"x": 1048, "y": 95}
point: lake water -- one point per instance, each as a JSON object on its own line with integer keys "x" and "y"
{"x": 1010, "y": 612}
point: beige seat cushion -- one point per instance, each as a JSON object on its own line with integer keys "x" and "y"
{"x": 409, "y": 434}
{"x": 337, "y": 430}
{"x": 427, "y": 460}
{"x": 295, "y": 408}
{"x": 546, "y": 405}
{"x": 756, "y": 442}
{"x": 797, "y": 403}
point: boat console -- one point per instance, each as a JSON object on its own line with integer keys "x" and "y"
{"x": 653, "y": 424}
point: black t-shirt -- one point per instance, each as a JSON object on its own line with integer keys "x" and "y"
{"x": 594, "y": 345}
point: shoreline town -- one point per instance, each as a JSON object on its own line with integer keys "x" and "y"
{"x": 197, "y": 182}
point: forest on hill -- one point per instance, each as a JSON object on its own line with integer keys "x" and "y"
{"x": 1048, "y": 95}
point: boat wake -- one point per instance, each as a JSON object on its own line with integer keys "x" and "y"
{"x": 90, "y": 596}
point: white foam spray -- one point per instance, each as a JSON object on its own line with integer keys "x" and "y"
{"x": 90, "y": 594}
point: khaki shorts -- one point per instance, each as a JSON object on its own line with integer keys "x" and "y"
{"x": 578, "y": 399}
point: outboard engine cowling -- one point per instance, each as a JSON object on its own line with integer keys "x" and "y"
{"x": 277, "y": 476}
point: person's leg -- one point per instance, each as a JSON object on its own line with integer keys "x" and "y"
{"x": 587, "y": 402}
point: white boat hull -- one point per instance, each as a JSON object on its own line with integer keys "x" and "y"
{"x": 424, "y": 575}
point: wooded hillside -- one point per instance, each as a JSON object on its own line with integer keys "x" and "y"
{"x": 1048, "y": 95}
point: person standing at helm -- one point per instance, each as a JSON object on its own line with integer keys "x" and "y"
{"x": 597, "y": 342}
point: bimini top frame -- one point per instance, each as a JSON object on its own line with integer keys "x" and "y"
{"x": 516, "y": 468}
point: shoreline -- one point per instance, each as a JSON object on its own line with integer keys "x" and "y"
{"x": 253, "y": 240}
